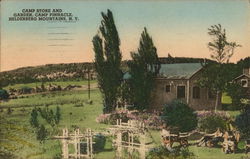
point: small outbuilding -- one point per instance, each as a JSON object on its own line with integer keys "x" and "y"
{"x": 180, "y": 81}
{"x": 244, "y": 81}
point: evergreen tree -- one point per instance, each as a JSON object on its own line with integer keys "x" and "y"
{"x": 58, "y": 115}
{"x": 33, "y": 118}
{"x": 143, "y": 68}
{"x": 41, "y": 134}
{"x": 3, "y": 94}
{"x": 108, "y": 61}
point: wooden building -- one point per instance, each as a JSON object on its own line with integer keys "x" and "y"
{"x": 179, "y": 81}
{"x": 244, "y": 81}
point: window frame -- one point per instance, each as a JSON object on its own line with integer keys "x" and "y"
{"x": 196, "y": 92}
{"x": 178, "y": 91}
{"x": 169, "y": 88}
{"x": 246, "y": 84}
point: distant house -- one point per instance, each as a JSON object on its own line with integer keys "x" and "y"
{"x": 244, "y": 80}
{"x": 179, "y": 81}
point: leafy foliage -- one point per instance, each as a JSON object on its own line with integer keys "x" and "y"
{"x": 33, "y": 119}
{"x": 57, "y": 115}
{"x": 210, "y": 121}
{"x": 179, "y": 115}
{"x": 108, "y": 61}
{"x": 143, "y": 68}
{"x": 100, "y": 141}
{"x": 49, "y": 72}
{"x": 4, "y": 94}
{"x": 151, "y": 120}
{"x": 41, "y": 133}
{"x": 236, "y": 92}
{"x": 221, "y": 49}
{"x": 164, "y": 153}
{"x": 49, "y": 115}
{"x": 216, "y": 75}
{"x": 243, "y": 121}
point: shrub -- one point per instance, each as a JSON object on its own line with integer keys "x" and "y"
{"x": 151, "y": 120}
{"x": 25, "y": 90}
{"x": 100, "y": 141}
{"x": 211, "y": 121}
{"x": 236, "y": 92}
{"x": 179, "y": 115}
{"x": 4, "y": 94}
{"x": 33, "y": 118}
{"x": 243, "y": 122}
{"x": 57, "y": 115}
{"x": 163, "y": 153}
{"x": 41, "y": 134}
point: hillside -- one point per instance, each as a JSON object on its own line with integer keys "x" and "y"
{"x": 79, "y": 71}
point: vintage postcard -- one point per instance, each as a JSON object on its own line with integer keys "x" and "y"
{"x": 124, "y": 79}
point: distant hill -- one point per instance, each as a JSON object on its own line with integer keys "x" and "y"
{"x": 170, "y": 59}
{"x": 49, "y": 72}
{"x": 77, "y": 71}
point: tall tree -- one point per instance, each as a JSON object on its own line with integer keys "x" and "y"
{"x": 143, "y": 68}
{"x": 221, "y": 49}
{"x": 108, "y": 61}
{"x": 217, "y": 75}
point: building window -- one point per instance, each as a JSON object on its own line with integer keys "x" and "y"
{"x": 180, "y": 91}
{"x": 196, "y": 92}
{"x": 167, "y": 88}
{"x": 211, "y": 94}
{"x": 244, "y": 82}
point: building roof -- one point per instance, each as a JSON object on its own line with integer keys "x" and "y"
{"x": 243, "y": 75}
{"x": 179, "y": 70}
{"x": 175, "y": 71}
{"x": 126, "y": 76}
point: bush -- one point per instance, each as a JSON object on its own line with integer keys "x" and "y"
{"x": 210, "y": 121}
{"x": 41, "y": 134}
{"x": 33, "y": 118}
{"x": 111, "y": 118}
{"x": 243, "y": 122}
{"x": 4, "y": 94}
{"x": 179, "y": 115}
{"x": 100, "y": 141}
{"x": 151, "y": 120}
{"x": 163, "y": 153}
{"x": 25, "y": 90}
{"x": 236, "y": 92}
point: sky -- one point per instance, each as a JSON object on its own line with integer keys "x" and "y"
{"x": 178, "y": 27}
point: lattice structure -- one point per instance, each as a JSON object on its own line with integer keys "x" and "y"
{"x": 76, "y": 138}
{"x": 133, "y": 129}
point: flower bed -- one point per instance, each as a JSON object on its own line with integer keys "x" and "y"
{"x": 151, "y": 120}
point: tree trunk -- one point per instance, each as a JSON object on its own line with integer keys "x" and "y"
{"x": 217, "y": 101}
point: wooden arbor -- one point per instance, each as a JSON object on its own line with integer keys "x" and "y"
{"x": 133, "y": 129}
{"x": 76, "y": 139}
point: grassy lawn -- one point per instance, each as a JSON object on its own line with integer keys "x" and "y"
{"x": 83, "y": 115}
{"x": 226, "y": 99}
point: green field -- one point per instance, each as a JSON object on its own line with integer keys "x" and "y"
{"x": 76, "y": 112}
